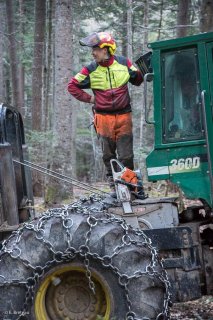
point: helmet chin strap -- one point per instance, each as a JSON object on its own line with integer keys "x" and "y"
{"x": 107, "y": 58}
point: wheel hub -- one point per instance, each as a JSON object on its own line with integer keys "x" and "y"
{"x": 72, "y": 298}
{"x": 67, "y": 296}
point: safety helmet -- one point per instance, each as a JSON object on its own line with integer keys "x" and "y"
{"x": 101, "y": 40}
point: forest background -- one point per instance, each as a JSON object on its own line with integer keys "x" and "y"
{"x": 40, "y": 51}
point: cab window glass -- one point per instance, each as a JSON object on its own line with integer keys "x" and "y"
{"x": 182, "y": 113}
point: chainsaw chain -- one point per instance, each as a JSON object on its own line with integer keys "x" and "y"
{"x": 83, "y": 206}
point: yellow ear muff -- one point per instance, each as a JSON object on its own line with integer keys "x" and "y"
{"x": 112, "y": 47}
{"x": 112, "y": 50}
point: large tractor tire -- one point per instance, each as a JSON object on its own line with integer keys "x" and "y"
{"x": 80, "y": 263}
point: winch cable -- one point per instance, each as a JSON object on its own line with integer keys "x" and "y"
{"x": 78, "y": 183}
{"x": 60, "y": 176}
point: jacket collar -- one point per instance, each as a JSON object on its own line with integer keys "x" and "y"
{"x": 107, "y": 63}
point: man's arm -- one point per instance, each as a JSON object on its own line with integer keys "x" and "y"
{"x": 77, "y": 83}
{"x": 135, "y": 75}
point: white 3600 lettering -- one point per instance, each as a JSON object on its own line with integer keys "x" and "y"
{"x": 185, "y": 164}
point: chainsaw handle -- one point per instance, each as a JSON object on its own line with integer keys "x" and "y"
{"x": 118, "y": 164}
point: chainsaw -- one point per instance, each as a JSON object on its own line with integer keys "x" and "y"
{"x": 128, "y": 184}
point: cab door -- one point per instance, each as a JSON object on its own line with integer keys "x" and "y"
{"x": 209, "y": 51}
{"x": 184, "y": 119}
{"x": 205, "y": 54}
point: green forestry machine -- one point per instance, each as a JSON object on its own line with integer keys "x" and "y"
{"x": 126, "y": 258}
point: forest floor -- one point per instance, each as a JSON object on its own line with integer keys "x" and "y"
{"x": 200, "y": 309}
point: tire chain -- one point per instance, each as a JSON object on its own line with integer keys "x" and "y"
{"x": 84, "y": 252}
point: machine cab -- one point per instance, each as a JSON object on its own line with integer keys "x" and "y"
{"x": 183, "y": 115}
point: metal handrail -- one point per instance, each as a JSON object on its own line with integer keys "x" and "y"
{"x": 207, "y": 142}
{"x": 145, "y": 98}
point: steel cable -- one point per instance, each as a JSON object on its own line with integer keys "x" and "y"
{"x": 60, "y": 176}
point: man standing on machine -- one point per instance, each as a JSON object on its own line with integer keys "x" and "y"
{"x": 108, "y": 76}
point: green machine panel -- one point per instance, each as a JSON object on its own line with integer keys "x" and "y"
{"x": 183, "y": 115}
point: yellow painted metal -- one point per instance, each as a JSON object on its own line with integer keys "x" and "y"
{"x": 40, "y": 305}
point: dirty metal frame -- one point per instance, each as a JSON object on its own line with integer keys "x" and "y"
{"x": 15, "y": 181}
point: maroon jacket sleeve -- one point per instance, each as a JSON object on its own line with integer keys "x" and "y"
{"x": 79, "y": 82}
{"x": 135, "y": 75}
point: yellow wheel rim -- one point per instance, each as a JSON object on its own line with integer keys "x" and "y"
{"x": 64, "y": 294}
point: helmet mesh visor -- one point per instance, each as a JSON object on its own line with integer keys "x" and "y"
{"x": 90, "y": 41}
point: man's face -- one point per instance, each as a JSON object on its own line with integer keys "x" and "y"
{"x": 99, "y": 54}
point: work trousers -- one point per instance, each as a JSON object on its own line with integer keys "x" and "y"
{"x": 115, "y": 133}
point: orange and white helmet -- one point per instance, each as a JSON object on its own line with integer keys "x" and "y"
{"x": 101, "y": 40}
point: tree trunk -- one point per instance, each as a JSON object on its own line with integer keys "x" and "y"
{"x": 160, "y": 19}
{"x": 2, "y": 7}
{"x": 146, "y": 24}
{"x": 124, "y": 33}
{"x": 129, "y": 28}
{"x": 75, "y": 107}
{"x": 21, "y": 66}
{"x": 75, "y": 102}
{"x": 62, "y": 118}
{"x": 182, "y": 18}
{"x": 16, "y": 97}
{"x": 129, "y": 35}
{"x": 46, "y": 122}
{"x": 48, "y": 89}
{"x": 39, "y": 35}
{"x": 144, "y": 129}
{"x": 206, "y": 16}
